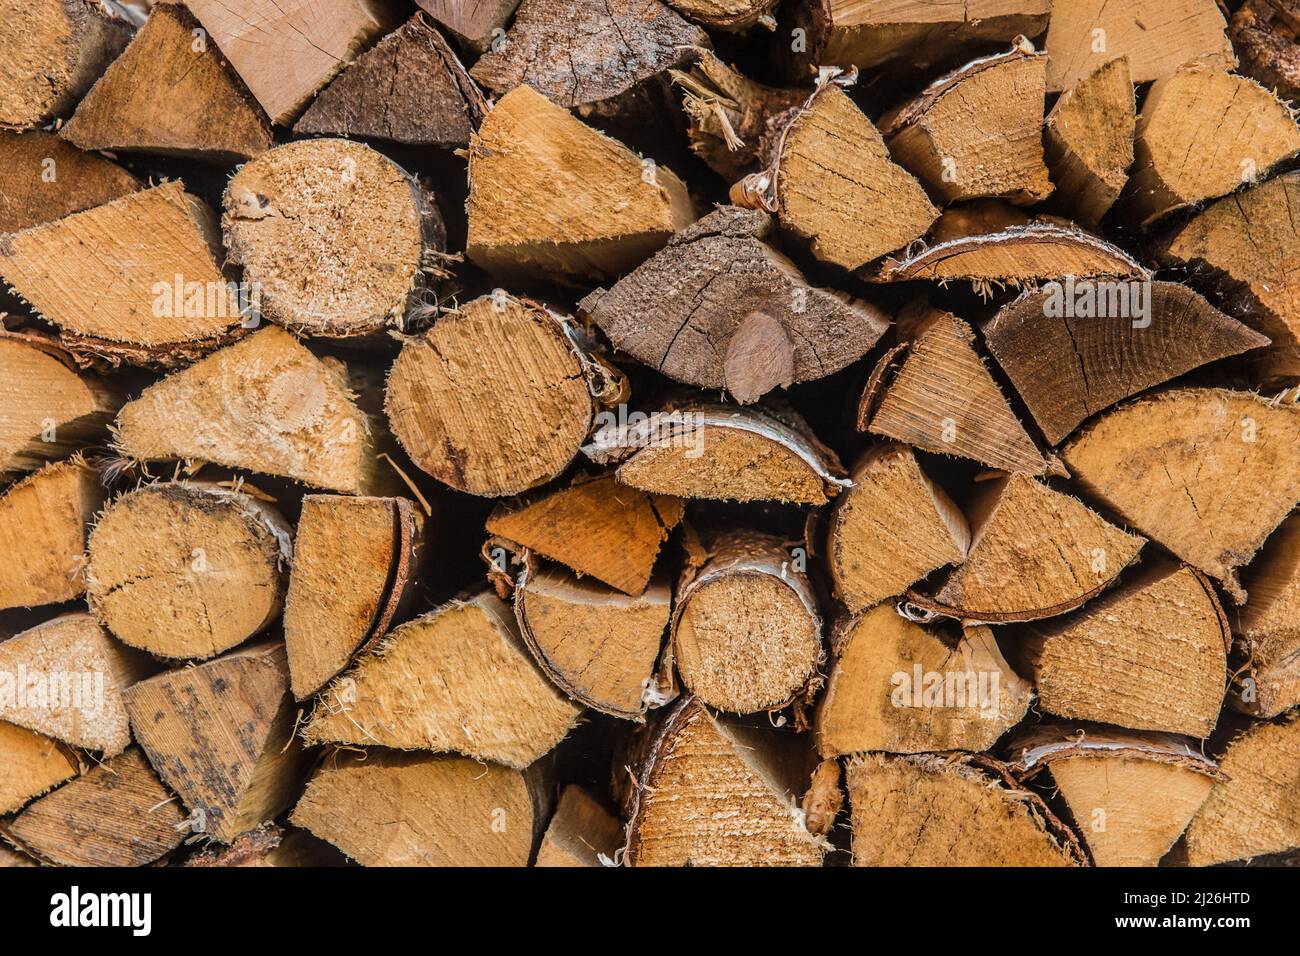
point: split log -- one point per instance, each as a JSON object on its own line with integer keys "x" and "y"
{"x": 945, "y": 810}
{"x": 1131, "y": 794}
{"x": 1074, "y": 350}
{"x": 269, "y": 846}
{"x": 893, "y": 527}
{"x": 476, "y": 23}
{"x": 187, "y": 569}
{"x": 66, "y": 679}
{"x": 1264, "y": 33}
{"x": 712, "y": 791}
{"x": 1149, "y": 655}
{"x": 409, "y": 88}
{"x": 1268, "y": 628}
{"x": 1203, "y": 472}
{"x": 1157, "y": 36}
{"x": 42, "y": 178}
{"x": 581, "y": 833}
{"x": 746, "y": 629}
{"x": 116, "y": 814}
{"x": 976, "y": 217}
{"x": 57, "y": 48}
{"x": 901, "y": 688}
{"x": 171, "y": 92}
{"x": 43, "y": 522}
{"x": 355, "y": 568}
{"x": 286, "y": 54}
{"x": 720, "y": 308}
{"x": 12, "y": 858}
{"x": 34, "y": 764}
{"x": 490, "y": 702}
{"x": 977, "y": 131}
{"x": 1089, "y": 140}
{"x": 551, "y": 198}
{"x": 729, "y": 15}
{"x": 221, "y": 735}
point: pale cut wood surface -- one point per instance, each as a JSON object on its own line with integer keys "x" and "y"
{"x": 582, "y": 832}
{"x": 33, "y": 764}
{"x": 1089, "y": 140}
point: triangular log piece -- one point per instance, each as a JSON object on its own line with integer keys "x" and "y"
{"x": 583, "y": 832}
{"x": 552, "y": 198}
{"x": 42, "y": 178}
{"x": 222, "y": 736}
{"x": 187, "y": 569}
{"x": 1074, "y": 349}
{"x": 1089, "y": 140}
{"x": 355, "y": 562}
{"x": 170, "y": 93}
{"x": 903, "y": 688}
{"x": 1268, "y": 627}
{"x": 1150, "y": 655}
{"x": 34, "y": 764}
{"x": 720, "y": 308}
{"x": 950, "y": 810}
{"x": 713, "y": 791}
{"x": 1205, "y": 472}
{"x": 1264, "y": 34}
{"x": 488, "y": 699}
{"x": 475, "y": 23}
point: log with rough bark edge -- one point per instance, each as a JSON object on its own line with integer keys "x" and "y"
{"x": 581, "y": 833}
{"x": 1201, "y": 134}
{"x": 829, "y": 173}
{"x": 1255, "y": 810}
{"x": 66, "y": 679}
{"x": 491, "y": 701}
{"x": 355, "y": 564}
{"x": 286, "y": 53}
{"x": 1131, "y": 794}
{"x": 153, "y": 283}
{"x": 977, "y": 131}
{"x": 187, "y": 569}
{"x": 1264, "y": 33}
{"x": 495, "y": 398}
{"x": 902, "y": 688}
{"x": 1067, "y": 368}
{"x": 715, "y": 791}
{"x": 384, "y": 808}
{"x": 54, "y": 51}
{"x": 221, "y": 735}
{"x": 43, "y": 522}
{"x": 1157, "y": 36}
{"x": 720, "y": 308}
{"x": 893, "y": 527}
{"x": 266, "y": 404}
{"x": 33, "y": 764}
{"x": 730, "y": 15}
{"x": 945, "y": 400}
{"x": 1268, "y": 627}
{"x": 333, "y": 235}
{"x": 269, "y": 845}
{"x": 1089, "y": 141}
{"x": 1035, "y": 552}
{"x": 1205, "y": 472}
{"x": 117, "y": 814}
{"x": 946, "y": 810}
{"x": 1149, "y": 655}
{"x": 410, "y": 88}
{"x": 42, "y": 178}
{"x": 596, "y": 526}
{"x": 476, "y": 23}
{"x": 162, "y": 95}
{"x": 551, "y": 198}
{"x": 699, "y": 450}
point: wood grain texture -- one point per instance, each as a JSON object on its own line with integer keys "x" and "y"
{"x": 1089, "y": 141}
{"x": 42, "y": 178}
{"x": 34, "y": 764}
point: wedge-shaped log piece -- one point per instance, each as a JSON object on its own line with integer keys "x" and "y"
{"x": 978, "y": 130}
{"x": 116, "y": 814}
{"x": 1264, "y": 34}
{"x": 583, "y": 832}
{"x": 726, "y": 14}
{"x": 392, "y": 809}
{"x": 1205, "y": 472}
{"x": 66, "y": 679}
{"x": 476, "y": 23}
{"x": 1157, "y": 36}
{"x": 266, "y": 404}
{"x": 43, "y": 522}
{"x": 902, "y": 688}
{"x": 34, "y": 764}
{"x": 1089, "y": 140}
{"x": 1074, "y": 349}
{"x": 946, "y": 810}
{"x": 1131, "y": 794}
{"x": 551, "y": 198}
{"x": 719, "y": 791}
{"x": 1150, "y": 655}
{"x": 42, "y": 178}
{"x": 222, "y": 736}
{"x": 163, "y": 93}
{"x": 719, "y": 308}
{"x": 354, "y": 567}
{"x": 1268, "y": 627}
{"x": 489, "y": 701}
{"x": 1256, "y": 810}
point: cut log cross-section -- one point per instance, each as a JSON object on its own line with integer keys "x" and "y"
{"x": 1089, "y": 141}
{"x": 476, "y": 23}
{"x": 1268, "y": 627}
{"x": 583, "y": 832}
{"x": 42, "y": 178}
{"x": 34, "y": 764}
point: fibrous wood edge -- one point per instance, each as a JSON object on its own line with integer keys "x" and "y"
{"x": 1264, "y": 35}
{"x": 1266, "y": 678}
{"x": 729, "y": 15}
{"x": 582, "y": 832}
{"x": 42, "y": 178}
{"x": 34, "y": 764}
